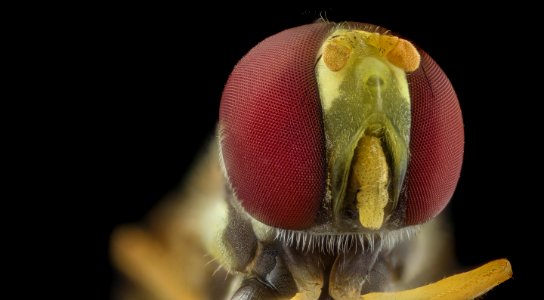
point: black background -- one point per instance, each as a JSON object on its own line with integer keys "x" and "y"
{"x": 147, "y": 87}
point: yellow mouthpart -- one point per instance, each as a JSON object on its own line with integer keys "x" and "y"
{"x": 371, "y": 175}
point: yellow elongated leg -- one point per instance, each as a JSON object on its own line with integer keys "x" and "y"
{"x": 143, "y": 259}
{"x": 168, "y": 256}
{"x": 468, "y": 285}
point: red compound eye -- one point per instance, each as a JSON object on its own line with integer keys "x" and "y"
{"x": 271, "y": 129}
{"x": 272, "y": 135}
{"x": 436, "y": 142}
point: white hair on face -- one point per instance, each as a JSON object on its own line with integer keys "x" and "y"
{"x": 340, "y": 243}
{"x": 220, "y": 136}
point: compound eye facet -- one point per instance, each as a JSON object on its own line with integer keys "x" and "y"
{"x": 436, "y": 142}
{"x": 271, "y": 129}
{"x": 281, "y": 124}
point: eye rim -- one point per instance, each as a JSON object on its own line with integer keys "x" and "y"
{"x": 444, "y": 110}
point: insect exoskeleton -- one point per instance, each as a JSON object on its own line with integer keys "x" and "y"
{"x": 338, "y": 145}
{"x": 336, "y": 140}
